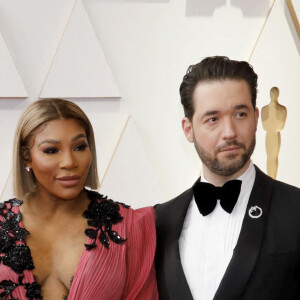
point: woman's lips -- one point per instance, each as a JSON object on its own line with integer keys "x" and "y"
{"x": 68, "y": 181}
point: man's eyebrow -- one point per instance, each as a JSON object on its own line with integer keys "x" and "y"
{"x": 215, "y": 112}
{"x": 241, "y": 106}
{"x": 210, "y": 113}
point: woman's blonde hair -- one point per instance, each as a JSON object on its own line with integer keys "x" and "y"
{"x": 36, "y": 115}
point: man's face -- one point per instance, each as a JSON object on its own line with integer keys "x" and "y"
{"x": 223, "y": 125}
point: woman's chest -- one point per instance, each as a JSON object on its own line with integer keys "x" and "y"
{"x": 89, "y": 248}
{"x": 56, "y": 252}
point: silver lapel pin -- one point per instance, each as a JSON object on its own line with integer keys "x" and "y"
{"x": 255, "y": 212}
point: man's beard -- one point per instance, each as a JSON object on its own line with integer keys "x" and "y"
{"x": 231, "y": 163}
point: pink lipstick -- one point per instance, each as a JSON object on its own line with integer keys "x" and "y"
{"x": 69, "y": 181}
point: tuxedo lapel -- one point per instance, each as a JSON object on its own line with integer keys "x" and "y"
{"x": 176, "y": 281}
{"x": 249, "y": 243}
{"x": 171, "y": 279}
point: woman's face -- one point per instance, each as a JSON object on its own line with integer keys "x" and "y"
{"x": 60, "y": 159}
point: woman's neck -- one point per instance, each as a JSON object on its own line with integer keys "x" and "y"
{"x": 51, "y": 206}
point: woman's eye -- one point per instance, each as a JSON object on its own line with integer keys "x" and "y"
{"x": 81, "y": 147}
{"x": 50, "y": 150}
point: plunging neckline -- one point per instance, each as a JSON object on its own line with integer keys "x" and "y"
{"x": 101, "y": 214}
{"x": 34, "y": 277}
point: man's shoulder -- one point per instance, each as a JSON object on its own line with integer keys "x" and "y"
{"x": 286, "y": 187}
{"x": 172, "y": 212}
{"x": 289, "y": 192}
{"x": 261, "y": 176}
{"x": 280, "y": 190}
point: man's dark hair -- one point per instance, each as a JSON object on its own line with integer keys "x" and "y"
{"x": 215, "y": 68}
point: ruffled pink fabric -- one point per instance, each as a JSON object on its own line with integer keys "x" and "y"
{"x": 122, "y": 272}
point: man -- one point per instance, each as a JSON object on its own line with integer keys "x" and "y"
{"x": 208, "y": 246}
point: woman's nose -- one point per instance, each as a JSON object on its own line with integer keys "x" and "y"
{"x": 68, "y": 160}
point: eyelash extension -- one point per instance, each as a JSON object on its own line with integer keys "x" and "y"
{"x": 50, "y": 150}
{"x": 53, "y": 150}
{"x": 81, "y": 147}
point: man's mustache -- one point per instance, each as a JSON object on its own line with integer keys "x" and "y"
{"x": 229, "y": 144}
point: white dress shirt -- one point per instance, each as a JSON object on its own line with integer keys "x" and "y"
{"x": 206, "y": 243}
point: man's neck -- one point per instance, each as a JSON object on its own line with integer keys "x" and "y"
{"x": 219, "y": 180}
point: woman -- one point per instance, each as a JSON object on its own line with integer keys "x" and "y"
{"x": 58, "y": 239}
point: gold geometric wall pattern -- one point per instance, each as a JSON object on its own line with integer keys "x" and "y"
{"x": 273, "y": 117}
{"x": 294, "y": 8}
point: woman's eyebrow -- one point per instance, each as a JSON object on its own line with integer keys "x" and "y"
{"x": 78, "y": 136}
{"x": 49, "y": 141}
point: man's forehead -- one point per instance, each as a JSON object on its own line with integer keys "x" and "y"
{"x": 210, "y": 83}
{"x": 226, "y": 90}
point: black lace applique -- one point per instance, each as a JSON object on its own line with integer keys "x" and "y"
{"x": 7, "y": 286}
{"x": 102, "y": 213}
{"x": 33, "y": 290}
{"x": 14, "y": 253}
{"x": 16, "y": 256}
{"x": 19, "y": 258}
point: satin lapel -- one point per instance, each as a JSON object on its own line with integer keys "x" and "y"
{"x": 249, "y": 243}
{"x": 177, "y": 285}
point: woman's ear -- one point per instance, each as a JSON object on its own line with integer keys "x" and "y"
{"x": 25, "y": 151}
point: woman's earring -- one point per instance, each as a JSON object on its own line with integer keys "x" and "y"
{"x": 27, "y": 169}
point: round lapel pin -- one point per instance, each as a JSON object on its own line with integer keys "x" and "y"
{"x": 255, "y": 212}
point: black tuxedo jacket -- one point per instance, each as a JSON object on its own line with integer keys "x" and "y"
{"x": 266, "y": 260}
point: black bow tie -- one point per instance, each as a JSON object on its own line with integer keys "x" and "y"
{"x": 206, "y": 195}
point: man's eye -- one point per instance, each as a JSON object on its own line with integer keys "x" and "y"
{"x": 50, "y": 150}
{"x": 241, "y": 114}
{"x": 81, "y": 147}
{"x": 212, "y": 120}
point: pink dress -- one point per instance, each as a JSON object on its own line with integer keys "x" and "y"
{"x": 116, "y": 264}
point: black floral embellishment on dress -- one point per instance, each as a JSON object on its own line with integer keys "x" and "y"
{"x": 102, "y": 213}
{"x": 33, "y": 291}
{"x": 14, "y": 252}
{"x": 104, "y": 239}
{"x": 16, "y": 202}
{"x": 16, "y": 256}
{"x": 113, "y": 235}
{"x": 6, "y": 241}
{"x": 91, "y": 233}
{"x": 19, "y": 258}
{"x": 7, "y": 286}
